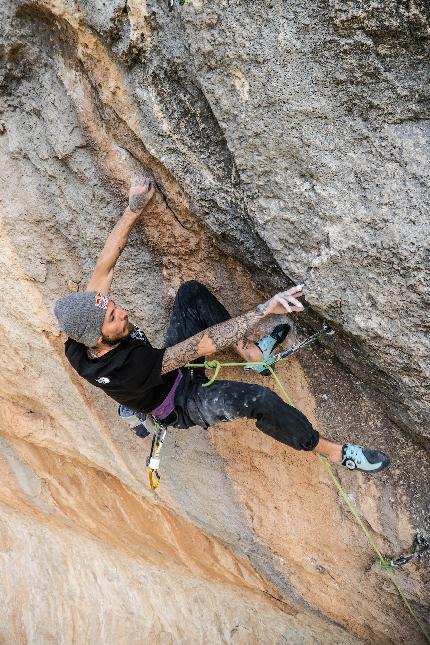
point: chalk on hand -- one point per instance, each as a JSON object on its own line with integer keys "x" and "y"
{"x": 140, "y": 185}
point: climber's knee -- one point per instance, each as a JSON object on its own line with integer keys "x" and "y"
{"x": 284, "y": 422}
{"x": 190, "y": 288}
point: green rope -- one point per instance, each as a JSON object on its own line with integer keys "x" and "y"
{"x": 217, "y": 366}
{"x": 382, "y": 561}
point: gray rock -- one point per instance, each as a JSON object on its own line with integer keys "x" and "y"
{"x": 292, "y": 137}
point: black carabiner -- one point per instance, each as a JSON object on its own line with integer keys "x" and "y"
{"x": 419, "y": 547}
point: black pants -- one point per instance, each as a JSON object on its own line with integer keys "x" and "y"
{"x": 195, "y": 309}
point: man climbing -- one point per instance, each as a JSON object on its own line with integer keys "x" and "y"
{"x": 114, "y": 355}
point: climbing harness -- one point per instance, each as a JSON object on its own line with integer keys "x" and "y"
{"x": 419, "y": 546}
{"x": 153, "y": 460}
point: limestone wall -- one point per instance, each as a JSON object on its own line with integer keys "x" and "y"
{"x": 289, "y": 141}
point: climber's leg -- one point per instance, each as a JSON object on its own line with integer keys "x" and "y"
{"x": 229, "y": 400}
{"x": 195, "y": 308}
{"x": 329, "y": 449}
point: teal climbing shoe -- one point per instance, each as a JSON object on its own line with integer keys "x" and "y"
{"x": 365, "y": 459}
{"x": 268, "y": 344}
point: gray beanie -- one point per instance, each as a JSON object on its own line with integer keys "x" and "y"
{"x": 80, "y": 315}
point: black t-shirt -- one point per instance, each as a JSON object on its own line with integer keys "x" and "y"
{"x": 129, "y": 373}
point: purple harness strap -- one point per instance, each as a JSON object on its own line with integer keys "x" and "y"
{"x": 167, "y": 406}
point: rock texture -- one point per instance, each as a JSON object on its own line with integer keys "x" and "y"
{"x": 289, "y": 141}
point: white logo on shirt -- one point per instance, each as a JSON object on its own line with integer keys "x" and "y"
{"x": 103, "y": 380}
{"x": 138, "y": 334}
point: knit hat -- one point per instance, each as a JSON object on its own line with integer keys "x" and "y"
{"x": 80, "y": 315}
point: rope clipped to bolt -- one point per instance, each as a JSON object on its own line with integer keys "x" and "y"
{"x": 268, "y": 363}
{"x": 420, "y": 544}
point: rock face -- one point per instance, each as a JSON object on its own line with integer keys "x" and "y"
{"x": 289, "y": 141}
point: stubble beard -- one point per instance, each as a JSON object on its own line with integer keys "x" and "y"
{"x": 111, "y": 341}
{"x": 116, "y": 339}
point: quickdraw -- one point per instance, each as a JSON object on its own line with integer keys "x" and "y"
{"x": 385, "y": 564}
{"x": 153, "y": 460}
{"x": 324, "y": 331}
{"x": 419, "y": 546}
{"x": 268, "y": 363}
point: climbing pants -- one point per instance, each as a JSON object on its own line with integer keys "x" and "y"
{"x": 195, "y": 309}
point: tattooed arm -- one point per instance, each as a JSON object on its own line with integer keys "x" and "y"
{"x": 230, "y": 332}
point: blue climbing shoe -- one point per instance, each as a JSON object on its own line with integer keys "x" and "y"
{"x": 365, "y": 459}
{"x": 268, "y": 344}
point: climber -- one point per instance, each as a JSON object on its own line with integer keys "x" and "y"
{"x": 111, "y": 353}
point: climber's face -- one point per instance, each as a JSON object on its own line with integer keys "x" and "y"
{"x": 115, "y": 325}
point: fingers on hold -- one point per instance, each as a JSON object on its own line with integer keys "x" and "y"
{"x": 141, "y": 179}
{"x": 150, "y": 186}
{"x": 294, "y": 301}
{"x": 137, "y": 179}
{"x": 285, "y": 304}
{"x": 296, "y": 291}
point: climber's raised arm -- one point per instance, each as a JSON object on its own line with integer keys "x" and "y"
{"x": 229, "y": 332}
{"x": 141, "y": 192}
